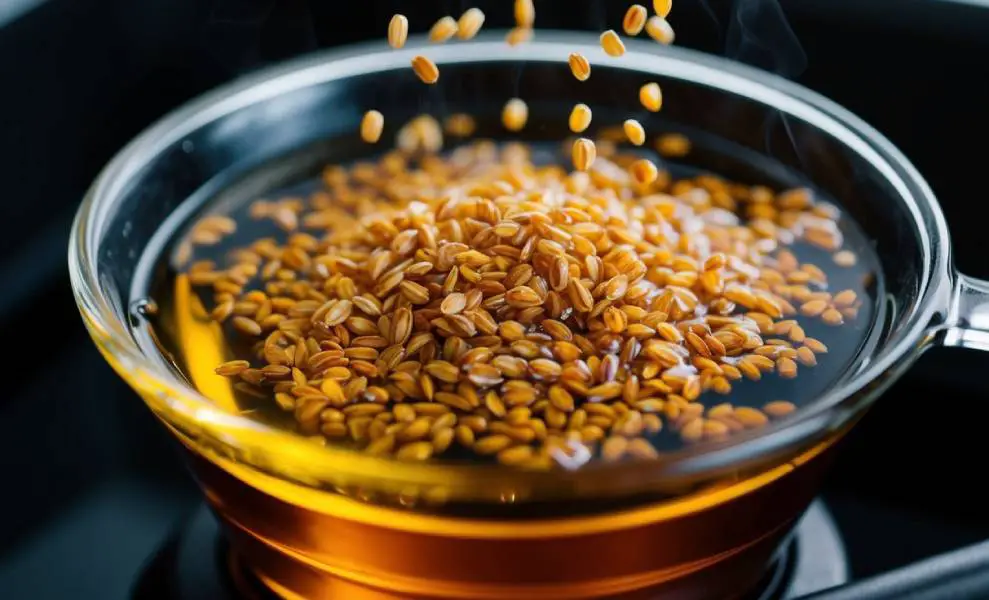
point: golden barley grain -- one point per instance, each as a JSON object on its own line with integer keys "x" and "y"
{"x": 381, "y": 446}
{"x": 778, "y": 408}
{"x": 414, "y": 292}
{"x": 813, "y": 308}
{"x": 786, "y": 367}
{"x": 635, "y": 19}
{"x": 415, "y": 430}
{"x": 515, "y": 114}
{"x": 845, "y": 258}
{"x": 453, "y": 304}
{"x": 641, "y": 448}
{"x": 415, "y": 451}
{"x": 246, "y": 326}
{"x": 404, "y": 413}
{"x": 693, "y": 430}
{"x": 425, "y": 69}
{"x": 338, "y": 312}
{"x": 583, "y": 154}
{"x": 398, "y": 31}
{"x": 579, "y": 66}
{"x": 612, "y": 44}
{"x": 444, "y": 29}
{"x": 522, "y": 297}
{"x": 334, "y": 430}
{"x": 492, "y": 444}
{"x": 634, "y": 132}
{"x": 816, "y": 346}
{"x": 580, "y": 118}
{"x": 232, "y": 368}
{"x": 285, "y": 401}
{"x": 470, "y": 23}
{"x": 844, "y": 298}
{"x": 662, "y": 7}
{"x": 614, "y": 448}
{"x": 515, "y": 456}
{"x": 644, "y": 171}
{"x": 371, "y": 126}
{"x": 525, "y": 14}
{"x": 750, "y": 417}
{"x": 832, "y": 316}
{"x": 442, "y": 439}
{"x": 460, "y": 125}
{"x": 464, "y": 435}
{"x": 805, "y": 356}
{"x": 222, "y": 311}
{"x": 660, "y": 30}
{"x": 651, "y": 97}
{"x": 673, "y": 145}
{"x": 273, "y": 372}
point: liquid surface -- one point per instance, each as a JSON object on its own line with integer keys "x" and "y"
{"x": 187, "y": 338}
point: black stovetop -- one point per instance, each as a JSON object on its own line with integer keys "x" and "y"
{"x": 94, "y": 489}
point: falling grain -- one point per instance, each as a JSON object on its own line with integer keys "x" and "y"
{"x": 635, "y": 19}
{"x": 398, "y": 31}
{"x": 651, "y": 97}
{"x": 584, "y": 154}
{"x": 470, "y": 23}
{"x": 660, "y": 30}
{"x": 644, "y": 171}
{"x": 673, "y": 145}
{"x": 425, "y": 69}
{"x": 371, "y": 126}
{"x": 612, "y": 44}
{"x": 580, "y": 118}
{"x": 579, "y": 66}
{"x": 515, "y": 114}
{"x": 662, "y": 7}
{"x": 525, "y": 14}
{"x": 634, "y": 132}
{"x": 443, "y": 30}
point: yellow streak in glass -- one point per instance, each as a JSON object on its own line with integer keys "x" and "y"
{"x": 202, "y": 344}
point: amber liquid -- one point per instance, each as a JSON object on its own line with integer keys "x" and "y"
{"x": 706, "y": 548}
{"x": 184, "y": 336}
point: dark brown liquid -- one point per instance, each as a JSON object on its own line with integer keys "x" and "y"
{"x": 183, "y": 333}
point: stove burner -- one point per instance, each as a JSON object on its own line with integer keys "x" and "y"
{"x": 813, "y": 560}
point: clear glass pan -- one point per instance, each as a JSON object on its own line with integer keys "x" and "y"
{"x": 322, "y": 97}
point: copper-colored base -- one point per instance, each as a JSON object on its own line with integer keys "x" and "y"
{"x": 279, "y": 570}
{"x": 319, "y": 546}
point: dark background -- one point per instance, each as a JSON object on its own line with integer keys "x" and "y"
{"x": 91, "y": 483}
